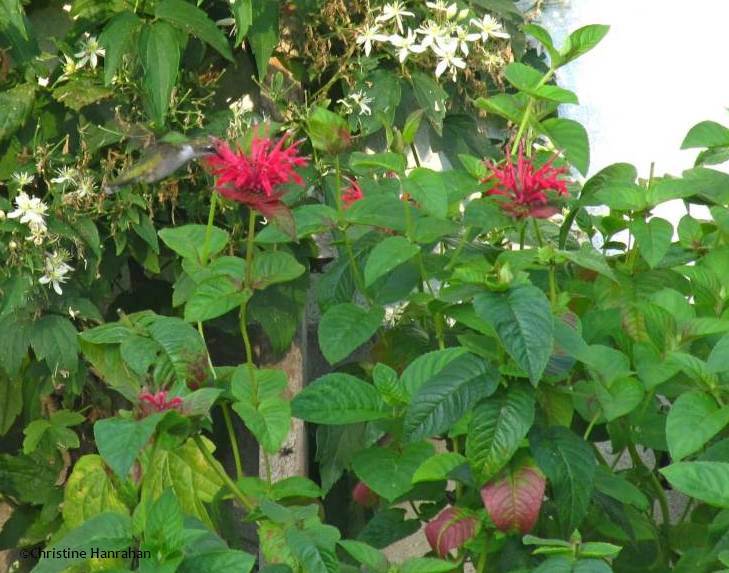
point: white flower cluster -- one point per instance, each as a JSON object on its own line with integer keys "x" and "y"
{"x": 356, "y": 102}
{"x": 70, "y": 176}
{"x": 56, "y": 270}
{"x": 31, "y": 211}
{"x": 447, "y": 33}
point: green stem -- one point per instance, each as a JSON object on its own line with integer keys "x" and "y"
{"x": 249, "y": 246}
{"x": 527, "y": 114}
{"x": 215, "y": 466}
{"x": 658, "y": 489}
{"x": 459, "y": 249}
{"x": 522, "y": 235}
{"x": 588, "y": 431}
{"x": 224, "y": 406}
{"x": 481, "y": 568}
{"x": 552, "y": 285}
{"x": 356, "y": 275}
{"x": 209, "y": 229}
{"x": 538, "y": 233}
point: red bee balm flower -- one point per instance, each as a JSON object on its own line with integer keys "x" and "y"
{"x": 151, "y": 403}
{"x": 352, "y": 194}
{"x": 255, "y": 178}
{"x": 364, "y": 496}
{"x": 525, "y": 188}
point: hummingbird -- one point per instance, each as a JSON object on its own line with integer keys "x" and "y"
{"x": 162, "y": 160}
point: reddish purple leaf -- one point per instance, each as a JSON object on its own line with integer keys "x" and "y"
{"x": 450, "y": 529}
{"x": 364, "y": 496}
{"x": 513, "y": 501}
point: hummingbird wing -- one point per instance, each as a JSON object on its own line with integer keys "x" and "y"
{"x": 159, "y": 162}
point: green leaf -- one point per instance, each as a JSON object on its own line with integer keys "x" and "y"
{"x": 327, "y": 130}
{"x": 192, "y": 20}
{"x": 445, "y": 398}
{"x": 261, "y": 405}
{"x": 426, "y": 366}
{"x": 243, "y": 14}
{"x": 699, "y": 413}
{"x": 426, "y": 565}
{"x": 186, "y": 472}
{"x": 582, "y": 41}
{"x": 388, "y": 472}
{"x": 79, "y": 92}
{"x": 11, "y": 401}
{"x": 619, "y": 396}
{"x": 108, "y": 364}
{"x": 188, "y": 241}
{"x": 497, "y": 427}
{"x": 431, "y": 98}
{"x": 387, "y": 161}
{"x": 219, "y": 561}
{"x": 522, "y": 318}
{"x": 529, "y": 80}
{"x": 339, "y": 399}
{"x": 263, "y": 33}
{"x": 345, "y": 327}
{"x": 183, "y": 347}
{"x": 274, "y": 267}
{"x": 120, "y": 440}
{"x": 412, "y": 124}
{"x": 590, "y": 258}
{"x": 542, "y": 35}
{"x": 507, "y": 106}
{"x": 571, "y": 137}
{"x": 366, "y": 555}
{"x": 14, "y": 342}
{"x": 438, "y": 467}
{"x": 429, "y": 189}
{"x": 214, "y": 297}
{"x": 706, "y": 134}
{"x": 89, "y": 491}
{"x": 15, "y": 106}
{"x": 118, "y": 39}
{"x": 335, "y": 446}
{"x": 704, "y": 481}
{"x": 387, "y": 255}
{"x": 107, "y": 531}
{"x": 653, "y": 238}
{"x": 569, "y": 463}
{"x": 54, "y": 339}
{"x": 160, "y": 56}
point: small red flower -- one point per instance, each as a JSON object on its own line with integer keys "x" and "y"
{"x": 524, "y": 187}
{"x": 255, "y": 178}
{"x": 364, "y": 496}
{"x": 151, "y": 403}
{"x": 352, "y": 194}
{"x": 449, "y": 530}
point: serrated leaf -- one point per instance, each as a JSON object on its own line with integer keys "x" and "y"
{"x": 345, "y": 327}
{"x": 118, "y": 39}
{"x": 55, "y": 340}
{"x": 653, "y": 238}
{"x": 15, "y": 106}
{"x": 438, "y": 467}
{"x": 193, "y": 20}
{"x": 569, "y": 464}
{"x": 700, "y": 413}
{"x": 497, "y": 427}
{"x": 522, "y": 318}
{"x": 387, "y": 255}
{"x": 120, "y": 440}
{"x": 214, "y": 297}
{"x": 426, "y": 366}
{"x": 243, "y": 14}
{"x": 90, "y": 491}
{"x": 261, "y": 405}
{"x": 188, "y": 241}
{"x": 431, "y": 98}
{"x": 514, "y": 500}
{"x": 160, "y": 56}
{"x": 274, "y": 267}
{"x": 705, "y": 481}
{"x": 571, "y": 137}
{"x": 442, "y": 400}
{"x": 263, "y": 33}
{"x": 389, "y": 472}
{"x": 339, "y": 399}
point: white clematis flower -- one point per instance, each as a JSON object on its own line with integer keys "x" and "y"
{"x": 464, "y": 37}
{"x": 488, "y": 27}
{"x": 448, "y": 58}
{"x": 90, "y": 52}
{"x": 368, "y": 36}
{"x": 30, "y": 210}
{"x": 394, "y": 11}
{"x": 432, "y": 32}
{"x": 407, "y": 45}
{"x": 56, "y": 270}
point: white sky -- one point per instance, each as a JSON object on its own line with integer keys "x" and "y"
{"x": 660, "y": 70}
